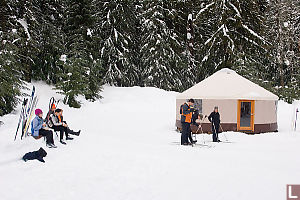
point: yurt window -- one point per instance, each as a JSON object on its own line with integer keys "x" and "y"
{"x": 198, "y": 105}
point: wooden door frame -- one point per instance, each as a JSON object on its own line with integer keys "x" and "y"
{"x": 251, "y": 128}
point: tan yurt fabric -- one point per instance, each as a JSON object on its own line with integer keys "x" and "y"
{"x": 227, "y": 84}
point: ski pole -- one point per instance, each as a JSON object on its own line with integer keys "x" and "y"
{"x": 194, "y": 134}
{"x": 223, "y": 133}
{"x": 202, "y": 129}
{"x": 200, "y": 126}
{"x": 195, "y": 137}
{"x": 202, "y": 134}
{"x": 296, "y": 119}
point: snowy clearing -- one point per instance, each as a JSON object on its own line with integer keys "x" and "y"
{"x": 129, "y": 149}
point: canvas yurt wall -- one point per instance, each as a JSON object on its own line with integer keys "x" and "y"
{"x": 243, "y": 105}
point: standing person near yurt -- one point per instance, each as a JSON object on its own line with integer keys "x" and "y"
{"x": 186, "y": 118}
{"x": 214, "y": 118}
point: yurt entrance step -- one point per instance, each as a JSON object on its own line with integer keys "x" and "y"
{"x": 245, "y": 115}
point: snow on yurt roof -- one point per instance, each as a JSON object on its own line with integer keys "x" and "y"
{"x": 227, "y": 84}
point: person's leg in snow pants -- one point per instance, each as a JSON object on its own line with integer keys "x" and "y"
{"x": 215, "y": 130}
{"x": 185, "y": 132}
{"x": 61, "y": 130}
{"x": 190, "y": 135}
{"x": 48, "y": 134}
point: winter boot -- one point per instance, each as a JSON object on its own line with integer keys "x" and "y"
{"x": 77, "y": 133}
{"x": 61, "y": 141}
{"x": 50, "y": 145}
{"x": 69, "y": 138}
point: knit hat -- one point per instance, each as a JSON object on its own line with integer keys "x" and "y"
{"x": 58, "y": 110}
{"x": 38, "y": 111}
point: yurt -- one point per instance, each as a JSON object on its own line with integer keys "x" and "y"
{"x": 243, "y": 105}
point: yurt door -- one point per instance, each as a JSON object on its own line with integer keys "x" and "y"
{"x": 245, "y": 115}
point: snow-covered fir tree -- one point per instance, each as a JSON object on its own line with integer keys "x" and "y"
{"x": 283, "y": 33}
{"x": 162, "y": 50}
{"x": 50, "y": 39}
{"x": 10, "y": 67}
{"x": 116, "y": 23}
{"x": 231, "y": 35}
{"x": 80, "y": 71}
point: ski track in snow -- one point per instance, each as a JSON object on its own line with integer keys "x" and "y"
{"x": 129, "y": 149}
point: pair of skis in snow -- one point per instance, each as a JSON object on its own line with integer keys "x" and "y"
{"x": 196, "y": 145}
{"x": 27, "y": 112}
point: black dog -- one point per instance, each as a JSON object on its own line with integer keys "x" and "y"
{"x": 39, "y": 155}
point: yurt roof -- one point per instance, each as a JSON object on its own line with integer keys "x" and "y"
{"x": 227, "y": 84}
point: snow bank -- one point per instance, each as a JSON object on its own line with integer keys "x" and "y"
{"x": 129, "y": 149}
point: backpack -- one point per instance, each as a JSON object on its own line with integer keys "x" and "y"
{"x": 181, "y": 107}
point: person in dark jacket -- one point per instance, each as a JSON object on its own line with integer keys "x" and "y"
{"x": 39, "y": 155}
{"x": 56, "y": 122}
{"x": 186, "y": 112}
{"x": 214, "y": 118}
{"x": 39, "y": 128}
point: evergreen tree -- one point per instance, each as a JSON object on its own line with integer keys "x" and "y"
{"x": 10, "y": 69}
{"x": 117, "y": 26}
{"x": 162, "y": 50}
{"x": 282, "y": 31}
{"x": 51, "y": 39}
{"x": 22, "y": 19}
{"x": 80, "y": 72}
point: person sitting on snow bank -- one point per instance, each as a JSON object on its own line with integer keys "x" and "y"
{"x": 39, "y": 155}
{"x": 56, "y": 122}
{"x": 38, "y": 128}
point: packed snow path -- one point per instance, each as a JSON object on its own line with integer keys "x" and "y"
{"x": 129, "y": 149}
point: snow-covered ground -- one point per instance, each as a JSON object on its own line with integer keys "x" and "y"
{"x": 129, "y": 149}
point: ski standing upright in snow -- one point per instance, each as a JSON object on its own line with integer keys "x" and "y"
{"x": 31, "y": 114}
{"x": 28, "y": 112}
{"x": 52, "y": 106}
{"x": 24, "y": 104}
{"x": 295, "y": 128}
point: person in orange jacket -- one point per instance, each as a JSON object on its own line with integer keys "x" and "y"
{"x": 186, "y": 112}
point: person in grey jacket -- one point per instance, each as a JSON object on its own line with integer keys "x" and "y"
{"x": 38, "y": 128}
{"x": 56, "y": 122}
